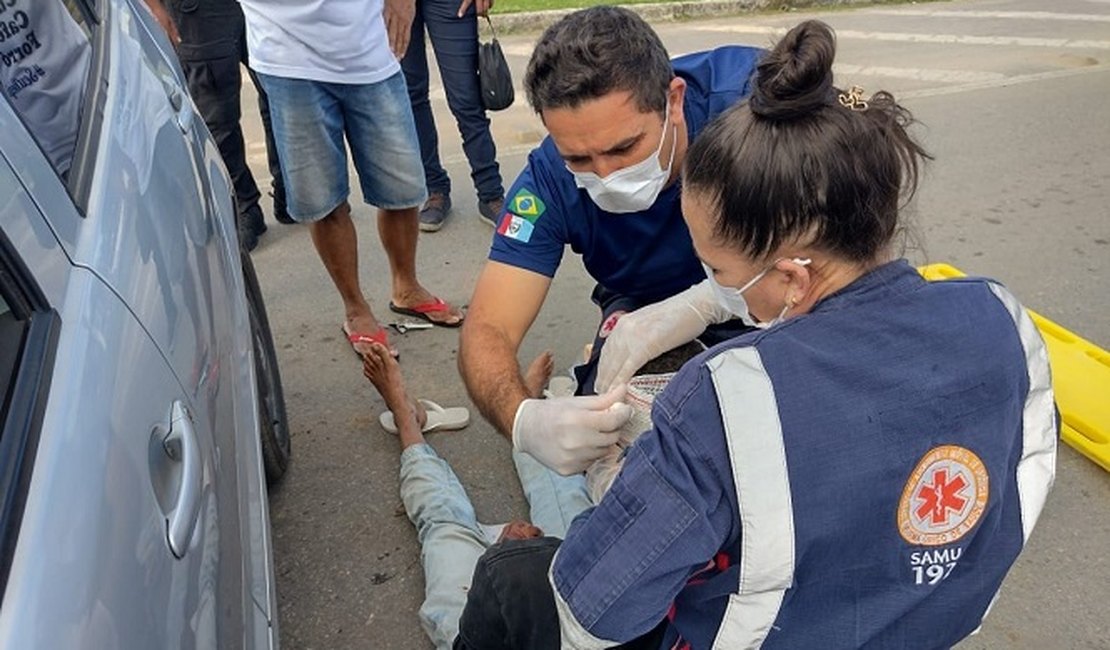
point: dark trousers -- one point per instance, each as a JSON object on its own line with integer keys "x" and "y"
{"x": 215, "y": 85}
{"x": 213, "y": 46}
{"x": 510, "y": 605}
{"x": 455, "y": 42}
{"x": 277, "y": 183}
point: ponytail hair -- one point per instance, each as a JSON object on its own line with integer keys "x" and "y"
{"x": 801, "y": 159}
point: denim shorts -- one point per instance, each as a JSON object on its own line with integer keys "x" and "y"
{"x": 310, "y": 120}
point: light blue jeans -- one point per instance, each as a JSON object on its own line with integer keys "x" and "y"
{"x": 553, "y": 500}
{"x": 310, "y": 120}
{"x": 452, "y": 540}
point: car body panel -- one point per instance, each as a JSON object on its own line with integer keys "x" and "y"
{"x": 151, "y": 297}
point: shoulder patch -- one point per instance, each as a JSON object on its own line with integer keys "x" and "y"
{"x": 527, "y": 205}
{"x": 944, "y": 497}
{"x": 515, "y": 227}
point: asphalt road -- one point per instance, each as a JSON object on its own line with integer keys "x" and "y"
{"x": 1012, "y": 95}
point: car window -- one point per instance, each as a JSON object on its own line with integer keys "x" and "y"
{"x": 45, "y": 54}
{"x": 11, "y": 341}
{"x": 29, "y": 331}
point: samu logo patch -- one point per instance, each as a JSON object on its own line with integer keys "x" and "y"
{"x": 944, "y": 497}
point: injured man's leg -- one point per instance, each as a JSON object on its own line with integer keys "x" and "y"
{"x": 450, "y": 536}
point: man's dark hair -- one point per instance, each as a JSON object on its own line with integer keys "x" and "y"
{"x": 594, "y": 52}
{"x": 803, "y": 159}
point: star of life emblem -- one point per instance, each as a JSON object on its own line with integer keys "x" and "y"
{"x": 607, "y": 327}
{"x": 944, "y": 497}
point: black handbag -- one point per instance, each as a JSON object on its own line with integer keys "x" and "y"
{"x": 493, "y": 74}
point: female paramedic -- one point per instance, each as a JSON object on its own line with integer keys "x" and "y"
{"x": 860, "y": 471}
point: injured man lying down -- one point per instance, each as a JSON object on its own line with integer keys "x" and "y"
{"x": 451, "y": 538}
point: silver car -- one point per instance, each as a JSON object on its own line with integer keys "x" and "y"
{"x": 142, "y": 407}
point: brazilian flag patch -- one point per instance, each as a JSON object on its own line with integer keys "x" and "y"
{"x": 527, "y": 205}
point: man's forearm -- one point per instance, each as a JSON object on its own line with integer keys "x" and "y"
{"x": 489, "y": 367}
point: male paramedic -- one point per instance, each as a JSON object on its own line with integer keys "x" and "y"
{"x": 620, "y": 115}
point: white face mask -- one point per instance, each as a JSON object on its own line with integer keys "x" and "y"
{"x": 732, "y": 298}
{"x": 631, "y": 189}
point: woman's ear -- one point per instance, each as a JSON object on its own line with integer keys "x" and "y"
{"x": 798, "y": 279}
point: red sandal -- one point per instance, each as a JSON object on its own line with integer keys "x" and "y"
{"x": 435, "y": 305}
{"x": 361, "y": 338}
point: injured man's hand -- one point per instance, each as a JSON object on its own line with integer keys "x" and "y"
{"x": 641, "y": 394}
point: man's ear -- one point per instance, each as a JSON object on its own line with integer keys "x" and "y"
{"x": 676, "y": 96}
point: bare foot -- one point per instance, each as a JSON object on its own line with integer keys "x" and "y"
{"x": 364, "y": 323}
{"x": 418, "y": 295}
{"x": 384, "y": 373}
{"x": 517, "y": 529}
{"x": 538, "y": 373}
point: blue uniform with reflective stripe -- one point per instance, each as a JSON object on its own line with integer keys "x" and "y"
{"x": 646, "y": 255}
{"x": 788, "y": 497}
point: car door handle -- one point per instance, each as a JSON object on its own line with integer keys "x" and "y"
{"x": 175, "y": 97}
{"x": 182, "y": 109}
{"x": 182, "y": 447}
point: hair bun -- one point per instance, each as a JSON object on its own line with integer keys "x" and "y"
{"x": 795, "y": 78}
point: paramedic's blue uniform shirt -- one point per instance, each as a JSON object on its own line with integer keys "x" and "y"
{"x": 646, "y": 255}
{"x": 861, "y": 476}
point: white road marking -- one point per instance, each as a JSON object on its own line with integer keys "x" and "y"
{"x": 919, "y": 74}
{"x": 1019, "y": 15}
{"x": 1015, "y": 80}
{"x": 906, "y": 37}
{"x": 523, "y": 149}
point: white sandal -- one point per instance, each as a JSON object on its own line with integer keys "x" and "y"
{"x": 439, "y": 418}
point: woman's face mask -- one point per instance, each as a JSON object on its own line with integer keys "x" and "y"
{"x": 732, "y": 298}
{"x": 634, "y": 188}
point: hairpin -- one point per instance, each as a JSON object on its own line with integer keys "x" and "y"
{"x": 853, "y": 99}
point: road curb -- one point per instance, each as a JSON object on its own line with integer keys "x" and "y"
{"x": 533, "y": 21}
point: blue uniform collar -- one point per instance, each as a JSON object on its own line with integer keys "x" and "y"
{"x": 883, "y": 282}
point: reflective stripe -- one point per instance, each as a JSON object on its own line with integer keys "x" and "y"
{"x": 1037, "y": 467}
{"x": 572, "y": 636}
{"x": 753, "y": 432}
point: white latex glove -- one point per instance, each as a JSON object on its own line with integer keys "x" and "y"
{"x": 569, "y": 433}
{"x": 648, "y": 332}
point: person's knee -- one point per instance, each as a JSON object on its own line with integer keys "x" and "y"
{"x": 338, "y": 215}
